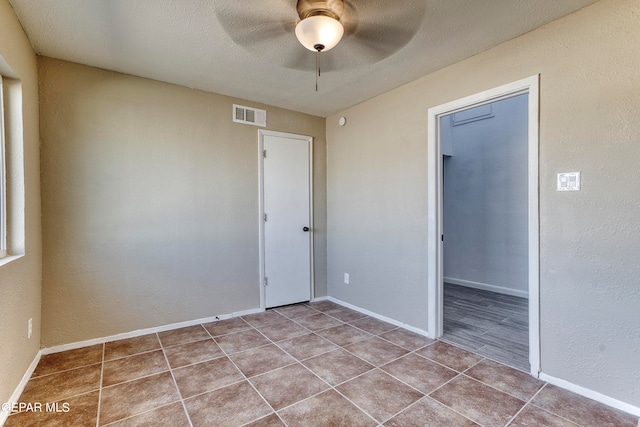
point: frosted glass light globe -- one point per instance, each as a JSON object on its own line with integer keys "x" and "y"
{"x": 319, "y": 30}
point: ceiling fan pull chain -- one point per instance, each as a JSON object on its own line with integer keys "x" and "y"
{"x": 319, "y": 48}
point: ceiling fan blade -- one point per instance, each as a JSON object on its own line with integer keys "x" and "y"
{"x": 260, "y": 32}
{"x": 250, "y": 22}
{"x": 265, "y": 29}
{"x": 375, "y": 30}
{"x": 381, "y": 41}
{"x": 300, "y": 59}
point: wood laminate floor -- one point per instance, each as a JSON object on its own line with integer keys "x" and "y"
{"x": 487, "y": 323}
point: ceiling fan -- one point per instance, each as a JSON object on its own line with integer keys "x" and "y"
{"x": 356, "y": 32}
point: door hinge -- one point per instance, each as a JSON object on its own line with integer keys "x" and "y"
{"x": 442, "y": 237}
{"x": 264, "y": 153}
{"x": 266, "y": 282}
{"x": 265, "y": 217}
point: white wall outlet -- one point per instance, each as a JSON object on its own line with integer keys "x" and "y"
{"x": 569, "y": 181}
{"x": 30, "y": 328}
{"x": 346, "y": 278}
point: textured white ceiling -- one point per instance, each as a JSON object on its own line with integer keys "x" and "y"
{"x": 215, "y": 45}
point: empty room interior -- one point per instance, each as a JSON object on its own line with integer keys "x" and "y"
{"x": 320, "y": 213}
{"x": 485, "y": 227}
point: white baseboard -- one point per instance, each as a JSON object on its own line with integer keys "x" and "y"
{"x": 140, "y": 332}
{"x": 594, "y": 395}
{"x": 487, "y": 287}
{"x": 380, "y": 317}
{"x": 20, "y": 388}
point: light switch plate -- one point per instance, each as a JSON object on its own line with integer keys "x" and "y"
{"x": 569, "y": 181}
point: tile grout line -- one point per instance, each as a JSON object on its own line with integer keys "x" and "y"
{"x": 426, "y": 396}
{"x": 147, "y": 411}
{"x": 530, "y": 403}
{"x": 100, "y": 386}
{"x": 248, "y": 327}
{"x": 246, "y": 379}
{"x": 357, "y": 376}
{"x": 447, "y": 406}
{"x": 214, "y": 389}
{"x": 384, "y": 372}
{"x": 200, "y": 361}
{"x": 460, "y": 346}
{"x": 462, "y": 373}
{"x": 331, "y": 387}
{"x": 364, "y": 373}
{"x": 524, "y": 406}
{"x": 299, "y": 334}
{"x": 401, "y": 346}
{"x": 63, "y": 371}
{"x": 131, "y": 355}
{"x": 175, "y": 383}
{"x": 137, "y": 378}
{"x": 443, "y": 384}
{"x": 442, "y": 364}
{"x": 497, "y": 389}
{"x": 182, "y": 342}
{"x": 321, "y": 379}
{"x": 356, "y": 405}
{"x": 503, "y": 392}
{"x": 185, "y": 343}
{"x": 321, "y": 329}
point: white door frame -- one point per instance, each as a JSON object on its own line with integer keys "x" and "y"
{"x": 528, "y": 85}
{"x": 261, "y": 134}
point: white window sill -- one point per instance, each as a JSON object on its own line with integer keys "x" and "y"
{"x": 9, "y": 258}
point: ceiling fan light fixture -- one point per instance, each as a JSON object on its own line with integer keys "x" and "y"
{"x": 319, "y": 32}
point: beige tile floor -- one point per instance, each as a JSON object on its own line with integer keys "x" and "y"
{"x": 316, "y": 364}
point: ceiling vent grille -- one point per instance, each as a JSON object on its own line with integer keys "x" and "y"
{"x": 249, "y": 116}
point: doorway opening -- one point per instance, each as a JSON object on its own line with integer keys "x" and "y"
{"x": 485, "y": 257}
{"x": 481, "y": 259}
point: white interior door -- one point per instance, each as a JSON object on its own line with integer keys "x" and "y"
{"x": 287, "y": 219}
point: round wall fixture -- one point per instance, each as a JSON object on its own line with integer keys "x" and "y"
{"x": 342, "y": 121}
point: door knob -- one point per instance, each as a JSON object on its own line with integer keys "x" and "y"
{"x": 305, "y": 228}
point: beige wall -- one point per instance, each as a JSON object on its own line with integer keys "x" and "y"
{"x": 150, "y": 202}
{"x": 589, "y": 121}
{"x": 20, "y": 280}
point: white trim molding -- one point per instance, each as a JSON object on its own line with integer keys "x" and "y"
{"x": 590, "y": 394}
{"x": 15, "y": 397}
{"x": 529, "y": 85}
{"x": 486, "y": 287}
{"x": 380, "y": 317}
{"x": 140, "y": 332}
